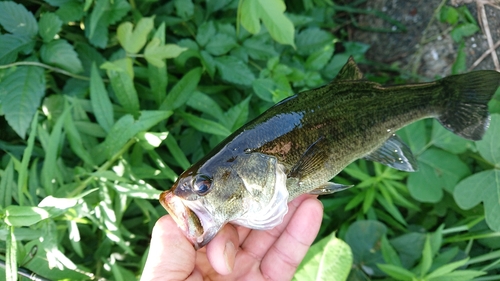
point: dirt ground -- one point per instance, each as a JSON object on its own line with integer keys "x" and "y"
{"x": 426, "y": 48}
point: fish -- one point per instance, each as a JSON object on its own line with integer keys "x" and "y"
{"x": 298, "y": 145}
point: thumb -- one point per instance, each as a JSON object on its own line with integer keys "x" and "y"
{"x": 171, "y": 256}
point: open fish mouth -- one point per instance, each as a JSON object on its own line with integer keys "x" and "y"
{"x": 191, "y": 217}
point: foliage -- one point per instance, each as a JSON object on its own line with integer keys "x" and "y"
{"x": 103, "y": 103}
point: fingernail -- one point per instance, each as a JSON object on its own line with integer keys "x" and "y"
{"x": 229, "y": 255}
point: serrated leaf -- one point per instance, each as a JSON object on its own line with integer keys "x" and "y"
{"x": 483, "y": 186}
{"x": 489, "y": 146}
{"x": 21, "y": 93}
{"x": 70, "y": 11}
{"x": 11, "y": 45}
{"x": 438, "y": 170}
{"x": 204, "y": 103}
{"x": 49, "y": 25}
{"x": 16, "y": 19}
{"x": 259, "y": 48}
{"x": 220, "y": 44}
{"x": 184, "y": 8}
{"x": 182, "y": 91}
{"x": 60, "y": 53}
{"x": 155, "y": 53}
{"x": 127, "y": 127}
{"x": 234, "y": 70}
{"x": 133, "y": 39}
{"x": 328, "y": 259}
{"x": 205, "y": 32}
{"x": 271, "y": 12}
{"x": 105, "y": 12}
{"x": 313, "y": 39}
{"x": 208, "y": 63}
{"x": 101, "y": 104}
{"x": 317, "y": 60}
{"x": 205, "y": 125}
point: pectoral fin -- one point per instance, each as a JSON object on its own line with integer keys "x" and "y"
{"x": 312, "y": 159}
{"x": 329, "y": 188}
{"x": 395, "y": 154}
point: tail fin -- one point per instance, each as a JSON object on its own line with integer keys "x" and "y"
{"x": 466, "y": 111}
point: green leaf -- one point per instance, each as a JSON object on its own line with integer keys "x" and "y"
{"x": 447, "y": 268}
{"x": 11, "y": 256}
{"x": 123, "y": 86}
{"x": 7, "y": 184}
{"x": 24, "y": 215}
{"x": 328, "y": 259}
{"x": 236, "y": 116}
{"x": 317, "y": 60}
{"x": 103, "y": 109}
{"x": 271, "y": 12}
{"x": 397, "y": 272}
{"x": 204, "y": 103}
{"x": 127, "y": 127}
{"x": 459, "y": 275}
{"x": 21, "y": 92}
{"x": 155, "y": 53}
{"x": 447, "y": 140}
{"x": 133, "y": 41}
{"x": 264, "y": 88}
{"x": 75, "y": 140}
{"x": 438, "y": 170}
{"x": 11, "y": 45}
{"x": 489, "y": 147}
{"x": 415, "y": 135}
{"x": 144, "y": 191}
{"x": 205, "y": 125}
{"x": 234, "y": 71}
{"x": 460, "y": 64}
{"x": 49, "y": 26}
{"x": 220, "y": 44}
{"x": 158, "y": 81}
{"x": 183, "y": 90}
{"x": 390, "y": 255}
{"x": 71, "y": 11}
{"x": 464, "y": 30}
{"x": 260, "y": 48}
{"x": 208, "y": 63}
{"x": 205, "y": 32}
{"x": 177, "y": 153}
{"x": 364, "y": 238}
{"x": 184, "y": 8}
{"x": 60, "y": 53}
{"x": 483, "y": 186}
{"x": 448, "y": 14}
{"x": 313, "y": 39}
{"x": 426, "y": 262}
{"x": 105, "y": 12}
{"x": 16, "y": 19}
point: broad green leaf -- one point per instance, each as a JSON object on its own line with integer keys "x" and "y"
{"x": 364, "y": 238}
{"x": 133, "y": 41}
{"x": 70, "y": 11}
{"x": 11, "y": 256}
{"x": 220, "y": 44}
{"x": 235, "y": 71}
{"x": 208, "y": 63}
{"x": 397, "y": 272}
{"x": 204, "y": 103}
{"x": 24, "y": 215}
{"x": 183, "y": 90}
{"x": 264, "y": 88}
{"x": 489, "y": 146}
{"x": 438, "y": 170}
{"x": 124, "y": 89}
{"x": 237, "y": 115}
{"x": 16, "y": 19}
{"x": 49, "y": 167}
{"x": 21, "y": 92}
{"x": 464, "y": 30}
{"x": 271, "y": 12}
{"x": 415, "y": 136}
{"x": 7, "y": 184}
{"x": 328, "y": 259}
{"x": 103, "y": 109}
{"x": 313, "y": 39}
{"x": 60, "y": 53}
{"x": 260, "y": 48}
{"x": 11, "y": 45}
{"x": 184, "y": 8}
{"x": 126, "y": 128}
{"x": 205, "y": 125}
{"x": 104, "y": 13}
{"x": 447, "y": 140}
{"x": 177, "y": 153}
{"x": 317, "y": 60}
{"x": 483, "y": 186}
{"x": 49, "y": 26}
{"x": 205, "y": 32}
{"x": 155, "y": 53}
{"x": 448, "y": 14}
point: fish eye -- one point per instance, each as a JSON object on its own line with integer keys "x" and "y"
{"x": 201, "y": 184}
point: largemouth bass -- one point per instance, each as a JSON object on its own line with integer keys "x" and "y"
{"x": 302, "y": 142}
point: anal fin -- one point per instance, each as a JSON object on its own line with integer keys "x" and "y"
{"x": 329, "y": 188}
{"x": 395, "y": 154}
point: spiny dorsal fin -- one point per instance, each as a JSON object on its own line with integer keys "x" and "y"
{"x": 395, "y": 154}
{"x": 350, "y": 71}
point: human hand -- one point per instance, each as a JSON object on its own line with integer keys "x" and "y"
{"x": 259, "y": 255}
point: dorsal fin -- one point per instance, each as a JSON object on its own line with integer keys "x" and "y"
{"x": 350, "y": 71}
